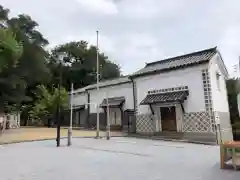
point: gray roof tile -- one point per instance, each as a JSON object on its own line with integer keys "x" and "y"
{"x": 177, "y": 62}
{"x": 75, "y": 107}
{"x": 165, "y": 97}
{"x": 110, "y": 82}
{"x": 114, "y": 101}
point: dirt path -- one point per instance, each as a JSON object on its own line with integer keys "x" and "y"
{"x": 29, "y": 134}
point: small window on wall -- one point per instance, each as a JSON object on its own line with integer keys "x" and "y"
{"x": 218, "y": 80}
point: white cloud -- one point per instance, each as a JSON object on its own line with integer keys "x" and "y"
{"x": 229, "y": 45}
{"x": 149, "y": 8}
{"x": 105, "y": 43}
{"x": 135, "y": 50}
{"x": 133, "y": 32}
{"x": 99, "y": 6}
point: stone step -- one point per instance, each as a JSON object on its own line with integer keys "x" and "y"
{"x": 203, "y": 137}
{"x": 197, "y": 136}
{"x": 169, "y": 135}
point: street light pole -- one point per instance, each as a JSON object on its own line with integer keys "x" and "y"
{"x": 108, "y": 120}
{"x": 71, "y": 116}
{"x": 97, "y": 131}
{"x": 60, "y": 59}
{"x": 58, "y": 106}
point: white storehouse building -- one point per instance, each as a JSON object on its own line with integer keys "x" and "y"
{"x": 119, "y": 93}
{"x": 179, "y": 97}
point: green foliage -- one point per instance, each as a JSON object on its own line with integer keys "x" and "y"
{"x": 10, "y": 52}
{"x": 232, "y": 90}
{"x": 79, "y": 65}
{"x": 10, "y": 49}
{"x": 47, "y": 102}
{"x": 18, "y": 76}
{"x": 25, "y": 65}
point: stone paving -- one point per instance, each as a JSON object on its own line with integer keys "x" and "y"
{"x": 117, "y": 159}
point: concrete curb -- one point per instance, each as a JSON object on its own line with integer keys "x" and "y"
{"x": 129, "y": 136}
{"x": 173, "y": 140}
{"x": 48, "y": 139}
{"x": 25, "y": 141}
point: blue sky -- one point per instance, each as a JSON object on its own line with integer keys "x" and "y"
{"x": 133, "y": 32}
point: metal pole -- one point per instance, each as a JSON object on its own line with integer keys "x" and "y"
{"x": 108, "y": 120}
{"x": 97, "y": 132}
{"x": 71, "y": 115}
{"x": 217, "y": 122}
{"x": 239, "y": 67}
{"x": 220, "y": 133}
{"x": 58, "y": 106}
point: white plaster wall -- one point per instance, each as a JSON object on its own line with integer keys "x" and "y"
{"x": 220, "y": 100}
{"x": 125, "y": 90}
{"x": 191, "y": 77}
{"x": 80, "y": 99}
{"x": 219, "y": 97}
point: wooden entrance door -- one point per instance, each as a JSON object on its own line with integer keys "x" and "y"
{"x": 168, "y": 118}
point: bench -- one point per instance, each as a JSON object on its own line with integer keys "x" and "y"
{"x": 230, "y": 151}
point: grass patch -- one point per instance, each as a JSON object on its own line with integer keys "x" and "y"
{"x": 237, "y": 150}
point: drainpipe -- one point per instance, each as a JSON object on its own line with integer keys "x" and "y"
{"x": 135, "y": 105}
{"x": 88, "y": 109}
{"x": 134, "y": 99}
{"x": 212, "y": 112}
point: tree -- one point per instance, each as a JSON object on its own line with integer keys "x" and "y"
{"x": 20, "y": 75}
{"x": 10, "y": 49}
{"x": 10, "y": 52}
{"x": 79, "y": 65}
{"x": 31, "y": 68}
{"x": 47, "y": 102}
{"x": 34, "y": 55}
{"x": 232, "y": 90}
{"x": 3, "y": 16}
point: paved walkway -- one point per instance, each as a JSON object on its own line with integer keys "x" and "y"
{"x": 116, "y": 159}
{"x": 29, "y": 134}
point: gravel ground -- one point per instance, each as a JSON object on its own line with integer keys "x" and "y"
{"x": 116, "y": 159}
{"x": 31, "y": 134}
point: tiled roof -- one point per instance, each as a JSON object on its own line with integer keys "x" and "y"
{"x": 78, "y": 107}
{"x": 116, "y": 81}
{"x": 165, "y": 97}
{"x": 110, "y": 82}
{"x": 177, "y": 62}
{"x": 80, "y": 90}
{"x": 115, "y": 101}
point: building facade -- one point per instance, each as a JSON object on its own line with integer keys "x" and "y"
{"x": 183, "y": 95}
{"x": 117, "y": 94}
{"x": 80, "y": 108}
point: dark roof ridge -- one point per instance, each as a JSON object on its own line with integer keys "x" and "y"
{"x": 106, "y": 80}
{"x": 180, "y": 56}
{"x": 111, "y": 79}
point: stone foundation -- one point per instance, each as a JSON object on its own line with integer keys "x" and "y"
{"x": 197, "y": 122}
{"x": 208, "y": 137}
{"x": 196, "y": 126}
{"x": 145, "y": 124}
{"x": 225, "y": 126}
